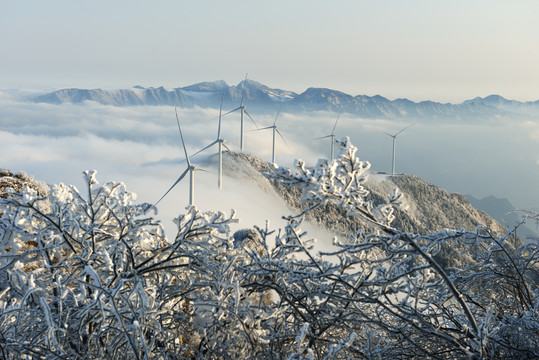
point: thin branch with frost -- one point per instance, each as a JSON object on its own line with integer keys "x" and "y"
{"x": 91, "y": 276}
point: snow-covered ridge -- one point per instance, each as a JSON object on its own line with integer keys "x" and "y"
{"x": 430, "y": 208}
{"x": 261, "y": 98}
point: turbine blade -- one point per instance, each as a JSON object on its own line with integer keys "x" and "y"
{"x": 172, "y": 187}
{"x": 404, "y": 129}
{"x": 231, "y": 111}
{"x": 278, "y": 112}
{"x": 220, "y": 110}
{"x": 250, "y": 118}
{"x": 200, "y": 169}
{"x": 323, "y": 137}
{"x": 181, "y": 136}
{"x": 336, "y": 121}
{"x": 264, "y": 128}
{"x": 388, "y": 134}
{"x": 226, "y": 147}
{"x": 243, "y": 90}
{"x": 207, "y": 147}
{"x": 281, "y": 135}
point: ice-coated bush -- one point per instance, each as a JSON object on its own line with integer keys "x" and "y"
{"x": 90, "y": 275}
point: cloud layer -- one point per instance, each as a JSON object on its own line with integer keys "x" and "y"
{"x": 141, "y": 147}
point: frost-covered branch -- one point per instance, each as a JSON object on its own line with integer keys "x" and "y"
{"x": 93, "y": 276}
{"x": 342, "y": 182}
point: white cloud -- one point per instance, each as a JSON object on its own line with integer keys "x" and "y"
{"x": 140, "y": 146}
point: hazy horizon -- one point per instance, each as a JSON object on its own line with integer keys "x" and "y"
{"x": 419, "y": 49}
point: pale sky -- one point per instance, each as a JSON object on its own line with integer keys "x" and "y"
{"x": 445, "y": 51}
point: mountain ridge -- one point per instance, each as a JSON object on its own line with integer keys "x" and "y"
{"x": 431, "y": 208}
{"x": 502, "y": 211}
{"x": 262, "y": 98}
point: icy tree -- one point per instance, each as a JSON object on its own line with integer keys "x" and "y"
{"x": 92, "y": 276}
{"x": 397, "y": 299}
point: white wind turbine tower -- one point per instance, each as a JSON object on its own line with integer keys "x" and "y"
{"x": 332, "y": 136}
{"x": 242, "y": 112}
{"x": 190, "y": 169}
{"x": 394, "y": 138}
{"x": 220, "y": 142}
{"x": 275, "y": 130}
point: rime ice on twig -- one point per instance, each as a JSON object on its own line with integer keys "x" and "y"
{"x": 341, "y": 181}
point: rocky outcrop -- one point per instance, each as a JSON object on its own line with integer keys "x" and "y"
{"x": 18, "y": 181}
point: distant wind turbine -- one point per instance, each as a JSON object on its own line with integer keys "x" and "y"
{"x": 394, "y": 138}
{"x": 275, "y": 130}
{"x": 242, "y": 111}
{"x": 332, "y": 136}
{"x": 190, "y": 169}
{"x": 220, "y": 142}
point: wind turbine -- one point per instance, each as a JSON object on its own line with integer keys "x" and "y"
{"x": 190, "y": 169}
{"x": 220, "y": 142}
{"x": 242, "y": 112}
{"x": 275, "y": 130}
{"x": 332, "y": 135}
{"x": 394, "y": 138}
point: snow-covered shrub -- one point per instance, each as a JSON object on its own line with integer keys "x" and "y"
{"x": 99, "y": 280}
{"x": 393, "y": 287}
{"x": 92, "y": 276}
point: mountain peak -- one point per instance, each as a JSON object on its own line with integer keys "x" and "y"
{"x": 492, "y": 99}
{"x": 212, "y": 86}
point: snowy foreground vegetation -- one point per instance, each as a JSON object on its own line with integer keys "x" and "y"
{"x": 90, "y": 275}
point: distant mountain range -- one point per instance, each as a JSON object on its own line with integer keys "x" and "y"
{"x": 261, "y": 98}
{"x": 504, "y": 212}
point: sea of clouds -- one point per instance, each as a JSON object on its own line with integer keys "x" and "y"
{"x": 140, "y": 146}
